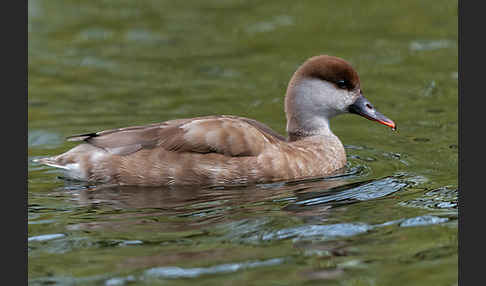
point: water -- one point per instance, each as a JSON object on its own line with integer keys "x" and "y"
{"x": 391, "y": 217}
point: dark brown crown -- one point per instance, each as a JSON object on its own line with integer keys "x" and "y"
{"x": 332, "y": 69}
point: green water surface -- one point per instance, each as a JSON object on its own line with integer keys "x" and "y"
{"x": 391, "y": 219}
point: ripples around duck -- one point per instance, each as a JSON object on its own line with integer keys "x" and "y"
{"x": 317, "y": 215}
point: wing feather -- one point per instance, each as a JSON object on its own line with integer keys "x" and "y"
{"x": 227, "y": 135}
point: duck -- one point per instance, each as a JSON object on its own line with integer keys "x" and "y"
{"x": 229, "y": 149}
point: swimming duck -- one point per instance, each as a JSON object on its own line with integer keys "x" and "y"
{"x": 225, "y": 149}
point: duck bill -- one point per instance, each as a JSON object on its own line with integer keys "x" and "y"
{"x": 363, "y": 107}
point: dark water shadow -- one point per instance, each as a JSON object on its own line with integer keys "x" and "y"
{"x": 351, "y": 193}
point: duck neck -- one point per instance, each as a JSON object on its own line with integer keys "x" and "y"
{"x": 309, "y": 105}
{"x": 300, "y": 127}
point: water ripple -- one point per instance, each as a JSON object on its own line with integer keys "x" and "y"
{"x": 45, "y": 237}
{"x": 179, "y": 272}
{"x": 305, "y": 231}
{"x": 248, "y": 231}
{"x": 441, "y": 198}
{"x": 362, "y": 192}
{"x": 423, "y": 220}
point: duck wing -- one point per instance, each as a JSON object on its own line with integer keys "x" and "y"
{"x": 228, "y": 135}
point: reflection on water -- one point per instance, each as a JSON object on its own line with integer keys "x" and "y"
{"x": 308, "y": 214}
{"x": 192, "y": 216}
{"x": 390, "y": 216}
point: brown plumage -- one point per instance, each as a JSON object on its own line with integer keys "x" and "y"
{"x": 229, "y": 149}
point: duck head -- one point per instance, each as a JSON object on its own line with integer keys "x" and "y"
{"x": 321, "y": 88}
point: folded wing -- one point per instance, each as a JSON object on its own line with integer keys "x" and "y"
{"x": 226, "y": 135}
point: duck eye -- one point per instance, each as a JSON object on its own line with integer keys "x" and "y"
{"x": 342, "y": 84}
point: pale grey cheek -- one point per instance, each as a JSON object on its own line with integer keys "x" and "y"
{"x": 321, "y": 96}
{"x": 341, "y": 100}
{"x": 348, "y": 100}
